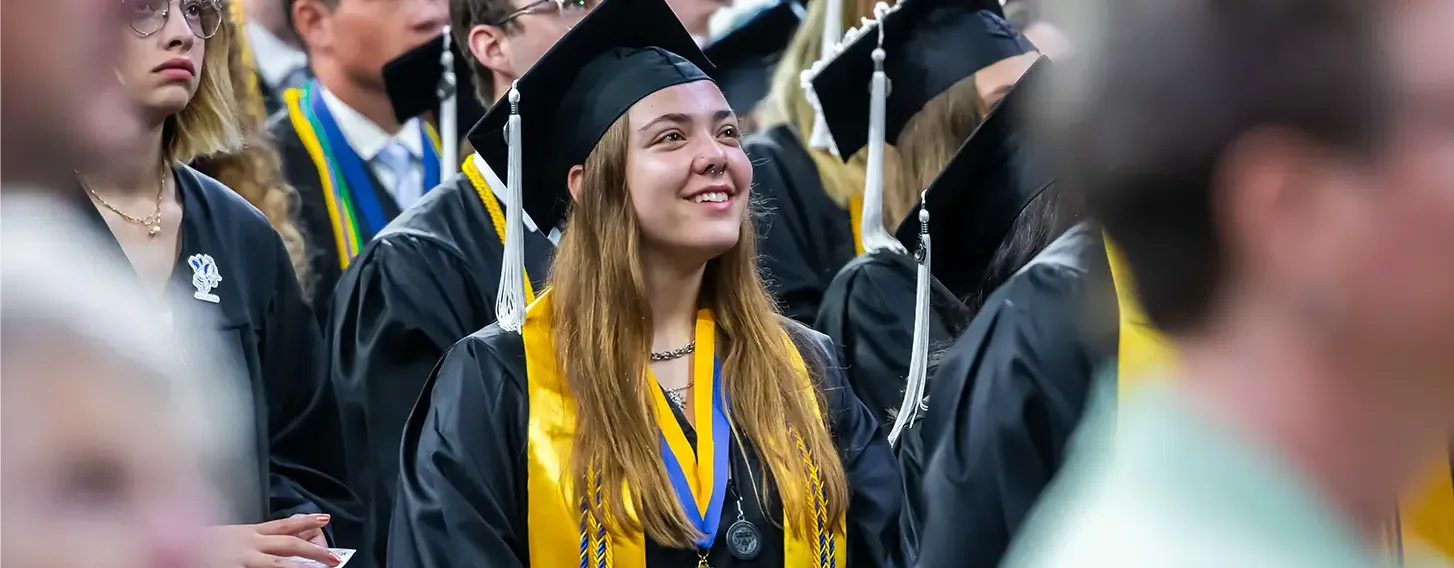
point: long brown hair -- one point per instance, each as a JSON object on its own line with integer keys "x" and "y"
{"x": 787, "y": 104}
{"x": 603, "y": 334}
{"x": 255, "y": 171}
{"x": 927, "y": 143}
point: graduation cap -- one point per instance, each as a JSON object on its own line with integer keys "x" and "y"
{"x": 622, "y": 51}
{"x": 973, "y": 203}
{"x": 746, "y": 56}
{"x": 929, "y": 45}
{"x": 417, "y": 84}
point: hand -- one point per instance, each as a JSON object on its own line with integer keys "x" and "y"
{"x": 271, "y": 544}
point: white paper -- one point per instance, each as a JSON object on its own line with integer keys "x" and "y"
{"x": 343, "y": 555}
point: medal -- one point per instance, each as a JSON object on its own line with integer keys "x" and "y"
{"x": 744, "y": 540}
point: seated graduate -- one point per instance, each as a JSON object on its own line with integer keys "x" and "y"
{"x": 432, "y": 275}
{"x": 650, "y": 409}
{"x": 218, "y": 272}
{"x": 355, "y": 166}
{"x": 814, "y": 197}
{"x": 931, "y": 109}
{"x": 747, "y": 54}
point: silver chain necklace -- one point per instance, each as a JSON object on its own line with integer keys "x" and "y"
{"x": 678, "y": 353}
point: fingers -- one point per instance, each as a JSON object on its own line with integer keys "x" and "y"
{"x": 286, "y": 546}
{"x": 314, "y": 536}
{"x": 293, "y": 525}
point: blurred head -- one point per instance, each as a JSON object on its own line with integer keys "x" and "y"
{"x": 669, "y": 184}
{"x": 105, "y": 442}
{"x": 351, "y": 40}
{"x": 174, "y": 66}
{"x": 697, "y": 14}
{"x": 506, "y": 37}
{"x": 687, "y": 181}
{"x": 1313, "y": 190}
{"x": 65, "y": 107}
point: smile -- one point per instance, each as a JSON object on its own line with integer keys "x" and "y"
{"x": 711, "y": 197}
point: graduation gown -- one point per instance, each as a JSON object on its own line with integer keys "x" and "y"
{"x": 807, "y": 238}
{"x": 868, "y": 312}
{"x": 463, "y": 497}
{"x": 313, "y": 220}
{"x": 425, "y": 282}
{"x": 1005, "y": 400}
{"x": 261, "y": 331}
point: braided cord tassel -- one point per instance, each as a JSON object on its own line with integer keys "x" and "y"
{"x": 594, "y": 544}
{"x": 823, "y": 540}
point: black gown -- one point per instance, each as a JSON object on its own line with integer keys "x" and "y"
{"x": 806, "y": 238}
{"x": 261, "y": 330}
{"x": 428, "y": 280}
{"x": 868, "y": 312}
{"x": 1005, "y": 401}
{"x": 462, "y": 499}
{"x": 313, "y": 220}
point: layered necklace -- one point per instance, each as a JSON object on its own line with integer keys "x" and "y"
{"x": 677, "y": 396}
{"x": 153, "y": 222}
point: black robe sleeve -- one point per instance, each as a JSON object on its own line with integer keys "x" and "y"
{"x": 868, "y": 312}
{"x": 1001, "y": 408}
{"x": 805, "y": 239}
{"x": 875, "y": 490}
{"x": 306, "y": 460}
{"x": 461, "y": 486}
{"x": 403, "y": 302}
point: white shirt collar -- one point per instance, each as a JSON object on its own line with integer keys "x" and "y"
{"x": 366, "y": 138}
{"x": 274, "y": 58}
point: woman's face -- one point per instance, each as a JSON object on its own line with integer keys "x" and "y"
{"x": 161, "y": 59}
{"x": 688, "y": 176}
{"x": 996, "y": 80}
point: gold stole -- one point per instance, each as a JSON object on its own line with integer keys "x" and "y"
{"x": 1425, "y": 517}
{"x": 559, "y": 533}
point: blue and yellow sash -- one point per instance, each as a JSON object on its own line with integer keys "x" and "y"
{"x": 1425, "y": 517}
{"x": 563, "y": 533}
{"x": 348, "y": 191}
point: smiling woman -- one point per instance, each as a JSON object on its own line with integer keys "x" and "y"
{"x": 654, "y": 376}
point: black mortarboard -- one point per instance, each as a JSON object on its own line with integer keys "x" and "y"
{"x": 622, "y": 51}
{"x": 930, "y": 45}
{"x": 413, "y": 79}
{"x": 746, "y": 56}
{"x": 976, "y": 198}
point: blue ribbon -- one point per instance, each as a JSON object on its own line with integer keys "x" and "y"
{"x": 722, "y": 433}
{"x": 357, "y": 182}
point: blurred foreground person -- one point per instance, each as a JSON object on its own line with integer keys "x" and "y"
{"x": 106, "y": 441}
{"x": 1294, "y": 239}
{"x": 64, "y": 107}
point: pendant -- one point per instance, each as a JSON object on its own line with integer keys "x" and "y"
{"x": 152, "y": 230}
{"x": 744, "y": 540}
{"x": 702, "y": 561}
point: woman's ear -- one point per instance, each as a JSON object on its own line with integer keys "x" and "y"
{"x": 573, "y": 181}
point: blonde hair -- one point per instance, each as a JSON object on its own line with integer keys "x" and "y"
{"x": 208, "y": 124}
{"x": 605, "y": 335}
{"x": 927, "y": 143}
{"x": 255, "y": 171}
{"x": 786, "y": 104}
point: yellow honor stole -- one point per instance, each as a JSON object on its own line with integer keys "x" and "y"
{"x": 1425, "y": 517}
{"x": 562, "y": 533}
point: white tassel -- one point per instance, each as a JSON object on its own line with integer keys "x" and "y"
{"x": 510, "y": 296}
{"x": 821, "y": 139}
{"x": 448, "y": 113}
{"x": 914, "y": 402}
{"x": 871, "y": 223}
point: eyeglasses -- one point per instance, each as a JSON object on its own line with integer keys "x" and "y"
{"x": 150, "y": 16}
{"x": 558, "y": 7}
